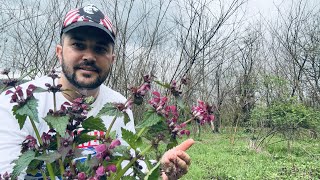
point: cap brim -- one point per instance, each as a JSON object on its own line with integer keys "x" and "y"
{"x": 86, "y": 23}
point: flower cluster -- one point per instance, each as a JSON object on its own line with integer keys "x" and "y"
{"x": 141, "y": 91}
{"x": 6, "y": 176}
{"x": 18, "y": 96}
{"x": 203, "y": 112}
{"x": 170, "y": 113}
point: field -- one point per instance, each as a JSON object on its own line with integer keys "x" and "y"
{"x": 214, "y": 157}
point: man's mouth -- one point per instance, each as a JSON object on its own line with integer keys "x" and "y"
{"x": 88, "y": 68}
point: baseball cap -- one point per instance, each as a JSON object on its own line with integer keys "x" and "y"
{"x": 88, "y": 15}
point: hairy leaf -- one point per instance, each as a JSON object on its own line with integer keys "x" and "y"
{"x": 59, "y": 123}
{"x": 110, "y": 110}
{"x": 22, "y": 163}
{"x": 172, "y": 143}
{"x": 126, "y": 118}
{"x": 165, "y": 85}
{"x": 150, "y": 118}
{"x": 157, "y": 129}
{"x": 39, "y": 90}
{"x": 83, "y": 138}
{"x": 94, "y": 123}
{"x": 121, "y": 151}
{"x": 21, "y": 118}
{"x": 50, "y": 157}
{"x": 132, "y": 139}
{"x": 34, "y": 167}
{"x": 28, "y": 109}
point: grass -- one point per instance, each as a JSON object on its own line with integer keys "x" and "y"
{"x": 214, "y": 157}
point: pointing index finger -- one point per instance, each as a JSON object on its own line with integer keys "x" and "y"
{"x": 185, "y": 145}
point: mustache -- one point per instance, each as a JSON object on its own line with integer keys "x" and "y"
{"x": 87, "y": 65}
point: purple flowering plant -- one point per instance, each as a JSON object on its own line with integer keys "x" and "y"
{"x": 55, "y": 153}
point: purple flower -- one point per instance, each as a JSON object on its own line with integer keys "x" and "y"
{"x": 30, "y": 142}
{"x": 111, "y": 168}
{"x": 114, "y": 143}
{"x": 46, "y": 137}
{"x": 185, "y": 81}
{"x": 30, "y": 90}
{"x": 158, "y": 102}
{"x": 6, "y": 176}
{"x": 174, "y": 89}
{"x": 82, "y": 176}
{"x": 203, "y": 112}
{"x": 147, "y": 78}
{"x": 100, "y": 171}
{"x": 101, "y": 151}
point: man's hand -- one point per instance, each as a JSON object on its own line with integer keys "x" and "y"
{"x": 175, "y": 162}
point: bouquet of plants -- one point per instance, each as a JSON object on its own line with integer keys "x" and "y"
{"x": 56, "y": 154}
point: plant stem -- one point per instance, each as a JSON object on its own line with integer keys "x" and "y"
{"x": 49, "y": 166}
{"x": 36, "y": 131}
{"x": 141, "y": 131}
{"x": 189, "y": 120}
{"x": 109, "y": 129}
{"x": 125, "y": 169}
{"x": 50, "y": 170}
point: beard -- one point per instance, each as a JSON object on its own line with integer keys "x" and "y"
{"x": 70, "y": 74}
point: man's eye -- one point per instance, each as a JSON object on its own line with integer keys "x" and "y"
{"x": 100, "y": 50}
{"x": 78, "y": 45}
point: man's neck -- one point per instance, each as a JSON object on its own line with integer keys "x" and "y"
{"x": 71, "y": 92}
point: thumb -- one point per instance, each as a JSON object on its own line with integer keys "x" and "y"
{"x": 185, "y": 145}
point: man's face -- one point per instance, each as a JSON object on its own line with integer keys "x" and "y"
{"x": 86, "y": 57}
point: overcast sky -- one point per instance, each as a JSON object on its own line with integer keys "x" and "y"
{"x": 268, "y": 8}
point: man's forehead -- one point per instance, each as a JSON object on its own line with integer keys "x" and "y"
{"x": 83, "y": 33}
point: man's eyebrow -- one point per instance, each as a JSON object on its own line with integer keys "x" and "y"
{"x": 103, "y": 43}
{"x": 77, "y": 38}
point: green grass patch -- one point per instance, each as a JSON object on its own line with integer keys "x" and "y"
{"x": 214, "y": 157}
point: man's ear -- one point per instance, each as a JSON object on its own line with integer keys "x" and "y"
{"x": 59, "y": 52}
{"x": 113, "y": 58}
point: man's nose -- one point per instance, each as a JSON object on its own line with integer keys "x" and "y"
{"x": 89, "y": 54}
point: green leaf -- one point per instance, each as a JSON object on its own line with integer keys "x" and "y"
{"x": 34, "y": 167}
{"x": 59, "y": 123}
{"x": 128, "y": 178}
{"x": 50, "y": 157}
{"x": 110, "y": 110}
{"x": 39, "y": 90}
{"x": 181, "y": 104}
{"x": 126, "y": 118}
{"x": 150, "y": 118}
{"x": 165, "y": 85}
{"x": 22, "y": 163}
{"x": 154, "y": 173}
{"x": 94, "y": 123}
{"x": 64, "y": 151}
{"x": 132, "y": 139}
{"x": 21, "y": 118}
{"x": 159, "y": 128}
{"x": 172, "y": 143}
{"x": 83, "y": 138}
{"x": 28, "y": 109}
{"x": 121, "y": 151}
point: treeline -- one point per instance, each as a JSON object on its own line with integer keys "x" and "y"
{"x": 256, "y": 73}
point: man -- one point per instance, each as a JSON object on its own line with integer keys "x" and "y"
{"x": 86, "y": 54}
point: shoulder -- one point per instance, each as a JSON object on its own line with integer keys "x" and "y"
{"x": 110, "y": 95}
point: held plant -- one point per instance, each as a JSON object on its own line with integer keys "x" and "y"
{"x": 56, "y": 153}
